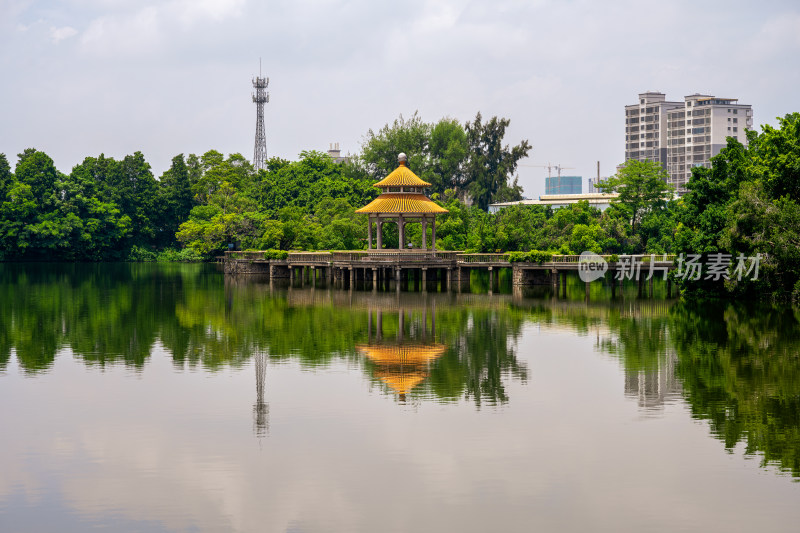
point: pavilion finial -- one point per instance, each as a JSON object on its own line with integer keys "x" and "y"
{"x": 402, "y": 158}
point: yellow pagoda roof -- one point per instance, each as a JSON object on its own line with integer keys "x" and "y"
{"x": 401, "y": 383}
{"x": 402, "y": 177}
{"x": 402, "y": 203}
{"x": 402, "y": 354}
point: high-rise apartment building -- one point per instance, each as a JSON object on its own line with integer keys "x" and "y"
{"x": 682, "y": 135}
{"x": 646, "y": 128}
{"x": 700, "y": 131}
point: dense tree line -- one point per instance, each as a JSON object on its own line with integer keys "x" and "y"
{"x": 116, "y": 210}
{"x": 746, "y": 203}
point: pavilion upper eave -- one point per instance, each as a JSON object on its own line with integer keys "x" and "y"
{"x": 402, "y": 203}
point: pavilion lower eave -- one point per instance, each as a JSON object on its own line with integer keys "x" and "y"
{"x": 402, "y": 203}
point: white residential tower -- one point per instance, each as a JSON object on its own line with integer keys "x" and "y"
{"x": 682, "y": 135}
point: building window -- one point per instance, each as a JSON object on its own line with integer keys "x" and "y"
{"x": 735, "y": 111}
{"x": 729, "y": 119}
{"x": 735, "y": 129}
{"x": 735, "y": 120}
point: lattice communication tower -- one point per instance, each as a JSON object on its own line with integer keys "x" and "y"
{"x": 260, "y": 97}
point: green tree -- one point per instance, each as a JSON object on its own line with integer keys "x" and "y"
{"x": 490, "y": 165}
{"x": 448, "y": 155}
{"x": 136, "y": 195}
{"x": 175, "y": 199}
{"x": 775, "y": 154}
{"x": 410, "y": 136}
{"x": 747, "y": 203}
{"x": 642, "y": 188}
{"x": 6, "y": 176}
{"x": 36, "y": 169}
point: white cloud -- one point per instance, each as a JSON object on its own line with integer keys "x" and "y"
{"x": 119, "y": 34}
{"x": 153, "y": 27}
{"x": 778, "y": 36}
{"x": 191, "y": 11}
{"x": 173, "y": 76}
{"x": 59, "y": 34}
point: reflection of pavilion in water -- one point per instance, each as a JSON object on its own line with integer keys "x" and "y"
{"x": 402, "y": 360}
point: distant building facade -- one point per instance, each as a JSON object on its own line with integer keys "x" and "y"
{"x": 599, "y": 200}
{"x": 336, "y": 154}
{"x": 563, "y": 185}
{"x": 682, "y": 135}
{"x": 594, "y": 184}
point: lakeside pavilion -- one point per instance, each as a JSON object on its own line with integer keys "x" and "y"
{"x": 402, "y": 199}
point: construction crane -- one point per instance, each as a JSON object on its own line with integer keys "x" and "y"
{"x": 550, "y": 168}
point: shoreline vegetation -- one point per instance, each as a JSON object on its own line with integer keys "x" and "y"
{"x": 748, "y": 203}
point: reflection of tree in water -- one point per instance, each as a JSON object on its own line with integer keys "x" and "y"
{"x": 741, "y": 371}
{"x": 735, "y": 366}
{"x": 482, "y": 354}
{"x": 104, "y": 313}
{"x": 738, "y": 368}
{"x": 117, "y": 313}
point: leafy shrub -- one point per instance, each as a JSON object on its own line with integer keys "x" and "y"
{"x": 187, "y": 255}
{"x": 279, "y": 255}
{"x": 534, "y": 256}
{"x": 140, "y": 255}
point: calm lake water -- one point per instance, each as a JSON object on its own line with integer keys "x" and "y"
{"x": 145, "y": 397}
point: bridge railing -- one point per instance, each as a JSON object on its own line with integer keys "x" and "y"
{"x": 251, "y": 255}
{"x": 658, "y": 258}
{"x": 347, "y": 256}
{"x": 310, "y": 257}
{"x": 394, "y": 256}
{"x": 482, "y": 258}
{"x": 638, "y": 258}
{"x": 450, "y": 256}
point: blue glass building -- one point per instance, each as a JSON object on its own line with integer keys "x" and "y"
{"x": 564, "y": 185}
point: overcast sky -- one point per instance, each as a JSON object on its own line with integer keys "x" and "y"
{"x": 85, "y": 77}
